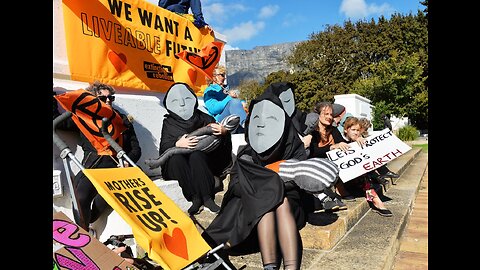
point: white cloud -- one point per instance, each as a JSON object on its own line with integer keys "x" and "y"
{"x": 268, "y": 11}
{"x": 236, "y": 8}
{"x": 293, "y": 19}
{"x": 359, "y": 9}
{"x": 243, "y": 31}
{"x": 230, "y": 48}
{"x": 215, "y": 9}
{"x": 219, "y": 13}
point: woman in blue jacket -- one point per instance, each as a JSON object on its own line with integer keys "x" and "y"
{"x": 220, "y": 102}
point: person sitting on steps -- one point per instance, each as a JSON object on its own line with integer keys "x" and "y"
{"x": 259, "y": 212}
{"x": 325, "y": 138}
{"x": 220, "y": 102}
{"x": 382, "y": 172}
{"x": 194, "y": 170}
{"x": 91, "y": 203}
{"x": 352, "y": 131}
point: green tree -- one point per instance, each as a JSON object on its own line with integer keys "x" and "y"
{"x": 357, "y": 58}
{"x": 385, "y": 61}
{"x": 399, "y": 84}
{"x": 249, "y": 90}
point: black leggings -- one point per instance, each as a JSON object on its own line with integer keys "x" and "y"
{"x": 278, "y": 227}
{"x": 91, "y": 204}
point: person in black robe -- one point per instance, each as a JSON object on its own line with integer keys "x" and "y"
{"x": 194, "y": 171}
{"x": 284, "y": 91}
{"x": 305, "y": 124}
{"x": 260, "y": 212}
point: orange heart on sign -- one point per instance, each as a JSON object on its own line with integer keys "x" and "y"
{"x": 177, "y": 243}
{"x": 119, "y": 61}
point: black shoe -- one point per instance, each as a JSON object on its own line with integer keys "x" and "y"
{"x": 381, "y": 180}
{"x": 341, "y": 205}
{"x": 391, "y": 175}
{"x": 349, "y": 198}
{"x": 382, "y": 212}
{"x": 196, "y": 207}
{"x": 317, "y": 205}
{"x": 328, "y": 205}
{"x": 211, "y": 205}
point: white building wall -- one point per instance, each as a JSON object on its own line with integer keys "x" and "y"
{"x": 357, "y": 105}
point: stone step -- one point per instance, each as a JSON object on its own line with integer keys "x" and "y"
{"x": 374, "y": 241}
{"x": 324, "y": 230}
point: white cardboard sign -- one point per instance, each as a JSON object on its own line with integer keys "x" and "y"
{"x": 380, "y": 148}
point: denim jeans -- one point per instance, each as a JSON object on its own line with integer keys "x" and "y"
{"x": 234, "y": 106}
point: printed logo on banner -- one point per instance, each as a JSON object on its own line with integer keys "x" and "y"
{"x": 158, "y": 71}
{"x": 203, "y": 62}
{"x": 88, "y": 112}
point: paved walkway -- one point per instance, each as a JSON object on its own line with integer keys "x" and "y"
{"x": 413, "y": 252}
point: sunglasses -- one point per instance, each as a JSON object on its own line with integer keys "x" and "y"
{"x": 104, "y": 98}
{"x": 220, "y": 74}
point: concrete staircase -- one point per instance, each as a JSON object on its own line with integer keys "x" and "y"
{"x": 356, "y": 238}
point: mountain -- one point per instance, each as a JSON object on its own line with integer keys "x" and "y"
{"x": 257, "y": 63}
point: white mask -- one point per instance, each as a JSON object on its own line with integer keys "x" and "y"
{"x": 288, "y": 101}
{"x": 267, "y": 122}
{"x": 181, "y": 101}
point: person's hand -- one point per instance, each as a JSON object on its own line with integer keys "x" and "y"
{"x": 187, "y": 142}
{"x": 125, "y": 164}
{"x": 218, "y": 129}
{"x": 245, "y": 106}
{"x": 307, "y": 140}
{"x": 361, "y": 141}
{"x": 119, "y": 250}
{"x": 341, "y": 145}
{"x": 233, "y": 94}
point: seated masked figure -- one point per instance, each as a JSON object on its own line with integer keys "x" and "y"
{"x": 207, "y": 141}
{"x": 194, "y": 170}
{"x": 259, "y": 212}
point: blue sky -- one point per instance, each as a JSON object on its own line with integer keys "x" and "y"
{"x": 250, "y": 23}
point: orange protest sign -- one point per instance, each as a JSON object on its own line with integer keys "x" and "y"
{"x": 130, "y": 43}
{"x": 88, "y": 112}
{"x": 159, "y": 226}
{"x": 205, "y": 61}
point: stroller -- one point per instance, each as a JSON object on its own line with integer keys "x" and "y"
{"x": 159, "y": 226}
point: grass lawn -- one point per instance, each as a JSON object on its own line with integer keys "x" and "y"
{"x": 423, "y": 146}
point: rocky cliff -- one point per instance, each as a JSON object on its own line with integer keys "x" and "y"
{"x": 257, "y": 63}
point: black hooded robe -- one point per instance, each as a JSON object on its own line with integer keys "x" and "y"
{"x": 255, "y": 190}
{"x": 212, "y": 163}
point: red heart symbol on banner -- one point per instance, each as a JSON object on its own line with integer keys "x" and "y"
{"x": 203, "y": 62}
{"x": 177, "y": 243}
{"x": 119, "y": 61}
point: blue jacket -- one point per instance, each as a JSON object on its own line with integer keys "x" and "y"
{"x": 182, "y": 6}
{"x": 215, "y": 99}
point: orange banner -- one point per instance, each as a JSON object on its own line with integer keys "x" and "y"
{"x": 159, "y": 226}
{"x": 205, "y": 61}
{"x": 88, "y": 112}
{"x": 131, "y": 43}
